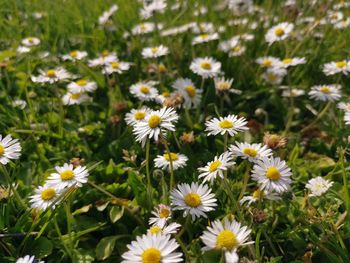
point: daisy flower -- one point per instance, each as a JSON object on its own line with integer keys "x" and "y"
{"x": 67, "y": 176}
{"x": 28, "y": 259}
{"x": 279, "y": 32}
{"x": 195, "y": 199}
{"x": 259, "y": 195}
{"x": 172, "y": 228}
{"x": 52, "y": 75}
{"x": 222, "y": 84}
{"x": 81, "y": 85}
{"x": 75, "y": 55}
{"x": 105, "y": 58}
{"x": 144, "y": 91}
{"x": 252, "y": 152}
{"x": 325, "y": 92}
{"x": 30, "y": 41}
{"x": 205, "y": 67}
{"x": 162, "y": 213}
{"x": 136, "y": 115}
{"x": 151, "y": 7}
{"x": 268, "y": 62}
{"x": 155, "y": 123}
{"x": 192, "y": 96}
{"x": 151, "y": 248}
{"x": 227, "y": 236}
{"x": 274, "y": 75}
{"x": 143, "y": 28}
{"x": 344, "y": 106}
{"x": 272, "y": 174}
{"x": 204, "y": 38}
{"x": 22, "y": 49}
{"x": 289, "y": 62}
{"x": 155, "y": 52}
{"x": 230, "y": 124}
{"x": 331, "y": 68}
{"x": 347, "y": 118}
{"x": 44, "y": 197}
{"x": 103, "y": 19}
{"x": 75, "y": 98}
{"x": 293, "y": 92}
{"x": 9, "y": 149}
{"x": 216, "y": 168}
{"x": 163, "y": 161}
{"x": 318, "y": 186}
{"x": 115, "y": 67}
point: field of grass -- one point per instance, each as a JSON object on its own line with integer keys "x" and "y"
{"x": 140, "y": 126}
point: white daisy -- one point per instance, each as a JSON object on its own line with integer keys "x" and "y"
{"x": 67, "y": 176}
{"x": 222, "y": 84}
{"x": 293, "y": 92}
{"x": 151, "y": 248}
{"x": 143, "y": 28}
{"x": 344, "y": 106}
{"x": 163, "y": 161}
{"x": 268, "y": 62}
{"x": 318, "y": 186}
{"x": 195, "y": 199}
{"x": 259, "y": 195}
{"x": 152, "y": 7}
{"x": 272, "y": 174}
{"x": 347, "y": 118}
{"x": 155, "y": 123}
{"x": 75, "y": 98}
{"x": 75, "y": 55}
{"x": 279, "y": 32}
{"x": 204, "y": 38}
{"x": 162, "y": 213}
{"x": 136, "y": 115}
{"x": 172, "y": 228}
{"x": 155, "y": 52}
{"x": 30, "y": 41}
{"x": 216, "y": 168}
{"x": 192, "y": 96}
{"x": 22, "y": 49}
{"x": 52, "y": 75}
{"x": 105, "y": 58}
{"x": 289, "y": 62}
{"x": 227, "y": 236}
{"x": 81, "y": 85}
{"x": 230, "y": 124}
{"x": 45, "y": 196}
{"x": 28, "y": 259}
{"x": 325, "y": 92}
{"x": 274, "y": 75}
{"x": 144, "y": 91}
{"x": 103, "y": 19}
{"x": 205, "y": 67}
{"x": 115, "y": 67}
{"x": 331, "y": 68}
{"x": 252, "y": 152}
{"x": 9, "y": 149}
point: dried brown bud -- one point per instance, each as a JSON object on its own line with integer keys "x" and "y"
{"x": 187, "y": 137}
{"x": 259, "y": 216}
{"x": 274, "y": 141}
{"x": 77, "y": 161}
{"x": 120, "y": 105}
{"x": 115, "y": 119}
{"x": 173, "y": 101}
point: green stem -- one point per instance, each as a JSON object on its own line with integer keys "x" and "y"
{"x": 171, "y": 164}
{"x": 148, "y": 175}
{"x": 225, "y": 141}
{"x": 318, "y": 117}
{"x": 345, "y": 182}
{"x": 60, "y": 237}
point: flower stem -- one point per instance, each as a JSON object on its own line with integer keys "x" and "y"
{"x": 318, "y": 117}
{"x": 171, "y": 163}
{"x": 148, "y": 175}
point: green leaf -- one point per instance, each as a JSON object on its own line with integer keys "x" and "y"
{"x": 41, "y": 247}
{"x": 116, "y": 213}
{"x": 105, "y": 247}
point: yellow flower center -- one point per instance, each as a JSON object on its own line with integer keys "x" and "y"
{"x": 191, "y": 91}
{"x": 258, "y": 194}
{"x": 115, "y": 65}
{"x": 341, "y": 64}
{"x": 214, "y": 166}
{"x": 204, "y": 36}
{"x": 155, "y": 230}
{"x": 139, "y": 115}
{"x": 173, "y": 156}
{"x": 287, "y": 61}
{"x": 154, "y": 121}
{"x": 143, "y": 27}
{"x": 2, "y": 149}
{"x": 223, "y": 86}
{"x": 75, "y": 96}
{"x": 236, "y": 49}
{"x": 166, "y": 94}
{"x": 81, "y": 82}
{"x": 206, "y": 65}
{"x": 105, "y": 53}
{"x": 271, "y": 77}
{"x": 226, "y": 239}
{"x": 193, "y": 200}
{"x": 67, "y": 175}
{"x": 325, "y": 90}
{"x": 164, "y": 213}
{"x": 30, "y": 40}
{"x": 151, "y": 255}
{"x": 51, "y": 73}
{"x": 225, "y": 124}
{"x": 267, "y": 63}
{"x": 154, "y": 50}
{"x": 73, "y": 54}
{"x": 144, "y": 89}
{"x": 348, "y": 107}
{"x": 279, "y": 32}
{"x": 273, "y": 174}
{"x": 251, "y": 152}
{"x": 48, "y": 194}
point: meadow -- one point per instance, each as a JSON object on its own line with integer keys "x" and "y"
{"x": 174, "y": 131}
